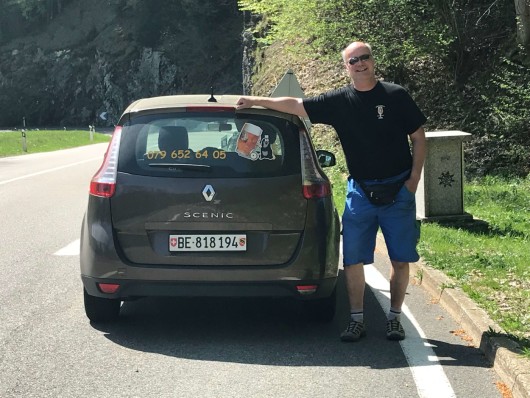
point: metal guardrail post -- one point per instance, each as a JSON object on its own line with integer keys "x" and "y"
{"x": 23, "y": 133}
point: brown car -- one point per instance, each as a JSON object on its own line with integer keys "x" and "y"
{"x": 195, "y": 198}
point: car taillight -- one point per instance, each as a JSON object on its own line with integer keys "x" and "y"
{"x": 316, "y": 190}
{"x": 108, "y": 288}
{"x": 314, "y": 185}
{"x": 306, "y": 289}
{"x": 103, "y": 184}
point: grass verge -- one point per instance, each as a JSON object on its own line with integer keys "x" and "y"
{"x": 488, "y": 257}
{"x": 11, "y": 142}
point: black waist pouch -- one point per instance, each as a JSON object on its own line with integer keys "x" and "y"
{"x": 381, "y": 194}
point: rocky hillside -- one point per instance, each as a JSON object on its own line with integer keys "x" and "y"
{"x": 95, "y": 57}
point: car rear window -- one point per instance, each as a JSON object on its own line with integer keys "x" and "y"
{"x": 221, "y": 144}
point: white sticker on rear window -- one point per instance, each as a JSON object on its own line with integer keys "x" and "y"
{"x": 248, "y": 142}
{"x": 253, "y": 144}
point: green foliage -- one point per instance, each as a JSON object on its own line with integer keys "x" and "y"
{"x": 512, "y": 110}
{"x": 501, "y": 121}
{"x": 458, "y": 59}
{"x": 401, "y": 31}
{"x": 286, "y": 20}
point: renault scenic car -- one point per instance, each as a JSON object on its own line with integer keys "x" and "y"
{"x": 196, "y": 199}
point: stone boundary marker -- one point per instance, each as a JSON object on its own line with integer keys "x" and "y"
{"x": 440, "y": 194}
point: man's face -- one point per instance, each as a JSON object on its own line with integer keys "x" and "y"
{"x": 359, "y": 62}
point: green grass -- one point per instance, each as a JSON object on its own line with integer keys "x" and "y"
{"x": 488, "y": 257}
{"x": 46, "y": 140}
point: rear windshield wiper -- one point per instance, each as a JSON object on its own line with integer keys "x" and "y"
{"x": 199, "y": 167}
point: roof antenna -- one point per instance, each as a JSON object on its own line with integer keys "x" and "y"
{"x": 212, "y": 98}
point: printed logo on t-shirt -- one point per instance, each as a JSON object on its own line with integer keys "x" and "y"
{"x": 380, "y": 111}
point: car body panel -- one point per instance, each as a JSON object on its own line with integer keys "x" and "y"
{"x": 145, "y": 210}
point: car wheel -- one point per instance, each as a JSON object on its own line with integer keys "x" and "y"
{"x": 322, "y": 310}
{"x": 99, "y": 309}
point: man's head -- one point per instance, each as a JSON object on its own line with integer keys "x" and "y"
{"x": 359, "y": 63}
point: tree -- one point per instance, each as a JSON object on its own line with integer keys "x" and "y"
{"x": 522, "y": 10}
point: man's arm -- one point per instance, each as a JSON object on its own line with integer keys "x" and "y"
{"x": 294, "y": 106}
{"x": 419, "y": 151}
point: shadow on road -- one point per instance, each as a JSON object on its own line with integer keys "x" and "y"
{"x": 261, "y": 331}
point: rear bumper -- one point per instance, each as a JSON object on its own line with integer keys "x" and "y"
{"x": 130, "y": 289}
{"x": 315, "y": 263}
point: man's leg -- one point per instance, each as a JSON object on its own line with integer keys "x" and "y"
{"x": 399, "y": 280}
{"x": 359, "y": 230}
{"x": 355, "y": 284}
{"x": 401, "y": 232}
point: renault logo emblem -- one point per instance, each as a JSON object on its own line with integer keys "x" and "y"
{"x": 208, "y": 193}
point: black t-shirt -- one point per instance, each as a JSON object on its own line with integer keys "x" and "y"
{"x": 373, "y": 127}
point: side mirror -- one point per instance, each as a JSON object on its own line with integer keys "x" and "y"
{"x": 326, "y": 158}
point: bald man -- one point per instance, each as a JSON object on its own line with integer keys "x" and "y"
{"x": 380, "y": 128}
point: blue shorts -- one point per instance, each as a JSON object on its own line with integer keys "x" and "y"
{"x": 361, "y": 221}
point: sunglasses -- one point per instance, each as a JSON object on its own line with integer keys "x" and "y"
{"x": 354, "y": 60}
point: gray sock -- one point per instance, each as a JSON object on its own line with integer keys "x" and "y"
{"x": 394, "y": 314}
{"x": 357, "y": 315}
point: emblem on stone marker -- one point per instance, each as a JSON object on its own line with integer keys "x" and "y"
{"x": 446, "y": 179}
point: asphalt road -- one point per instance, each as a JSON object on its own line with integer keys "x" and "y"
{"x": 200, "y": 347}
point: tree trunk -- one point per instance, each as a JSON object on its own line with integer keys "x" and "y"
{"x": 522, "y": 11}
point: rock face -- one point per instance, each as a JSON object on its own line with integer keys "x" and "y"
{"x": 95, "y": 57}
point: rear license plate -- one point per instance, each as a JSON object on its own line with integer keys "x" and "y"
{"x": 207, "y": 243}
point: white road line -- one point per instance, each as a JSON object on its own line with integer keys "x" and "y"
{"x": 50, "y": 170}
{"x": 428, "y": 374}
{"x": 71, "y": 249}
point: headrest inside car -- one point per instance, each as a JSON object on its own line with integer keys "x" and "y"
{"x": 171, "y": 138}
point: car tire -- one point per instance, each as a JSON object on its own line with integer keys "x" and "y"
{"x": 322, "y": 310}
{"x": 99, "y": 309}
